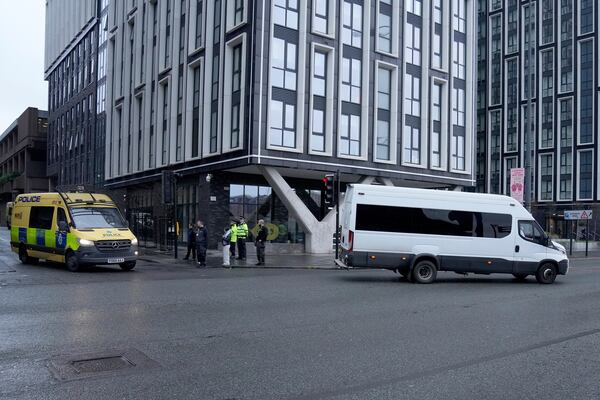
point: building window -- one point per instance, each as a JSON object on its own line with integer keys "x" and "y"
{"x": 317, "y": 140}
{"x": 319, "y": 83}
{"x": 458, "y": 152}
{"x": 196, "y": 111}
{"x": 459, "y": 60}
{"x": 460, "y": 16}
{"x": 384, "y": 28}
{"x": 282, "y": 131}
{"x": 412, "y": 95}
{"x": 351, "y": 80}
{"x": 585, "y": 174}
{"x": 285, "y": 13}
{"x": 350, "y": 135}
{"x": 168, "y": 35}
{"x": 495, "y": 151}
{"x": 413, "y": 44}
{"x": 586, "y": 92}
{"x": 238, "y": 12}
{"x": 586, "y": 16}
{"x": 496, "y": 60}
{"x": 437, "y": 34}
{"x": 165, "y": 124}
{"x": 547, "y": 21}
{"x": 436, "y": 125}
{"x": 283, "y": 64}
{"x": 384, "y": 93}
{"x": 321, "y": 17}
{"x": 458, "y": 107}
{"x": 511, "y": 162}
{"x": 566, "y": 45}
{"x": 566, "y": 170}
{"x": 236, "y": 78}
{"x": 566, "y": 123}
{"x": 412, "y": 145}
{"x": 414, "y": 6}
{"x": 546, "y": 177}
{"x": 352, "y": 24}
{"x": 495, "y": 5}
{"x": 199, "y": 24}
{"x": 512, "y": 105}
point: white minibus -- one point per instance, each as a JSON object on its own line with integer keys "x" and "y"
{"x": 418, "y": 232}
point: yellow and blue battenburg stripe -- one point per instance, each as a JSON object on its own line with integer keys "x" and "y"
{"x": 44, "y": 239}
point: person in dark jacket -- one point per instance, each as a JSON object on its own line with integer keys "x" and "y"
{"x": 191, "y": 242}
{"x": 261, "y": 240}
{"x": 201, "y": 244}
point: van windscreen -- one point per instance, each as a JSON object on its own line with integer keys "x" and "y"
{"x": 429, "y": 221}
{"x": 97, "y": 217}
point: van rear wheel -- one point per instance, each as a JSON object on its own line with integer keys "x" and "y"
{"x": 424, "y": 272}
{"x": 25, "y": 258}
{"x": 546, "y": 274}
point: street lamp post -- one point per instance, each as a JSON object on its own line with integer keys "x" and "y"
{"x": 530, "y": 89}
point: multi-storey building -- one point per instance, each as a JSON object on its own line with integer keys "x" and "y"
{"x": 23, "y": 157}
{"x": 564, "y": 127}
{"x": 75, "y": 68}
{"x": 233, "y": 95}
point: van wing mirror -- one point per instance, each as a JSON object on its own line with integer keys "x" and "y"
{"x": 63, "y": 226}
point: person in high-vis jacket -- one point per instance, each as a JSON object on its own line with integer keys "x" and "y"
{"x": 242, "y": 235}
{"x": 233, "y": 238}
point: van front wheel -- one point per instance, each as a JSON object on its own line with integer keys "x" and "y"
{"x": 127, "y": 266}
{"x": 546, "y": 274}
{"x": 424, "y": 272}
{"x": 71, "y": 262}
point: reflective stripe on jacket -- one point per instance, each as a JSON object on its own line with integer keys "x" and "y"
{"x": 242, "y": 231}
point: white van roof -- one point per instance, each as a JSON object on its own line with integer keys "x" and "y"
{"x": 493, "y": 200}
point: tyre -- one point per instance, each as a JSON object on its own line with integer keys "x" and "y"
{"x": 72, "y": 262}
{"x": 546, "y": 273}
{"x": 25, "y": 258}
{"x": 520, "y": 277}
{"x": 424, "y": 272}
{"x": 127, "y": 266}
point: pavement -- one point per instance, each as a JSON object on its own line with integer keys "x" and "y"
{"x": 170, "y": 331}
{"x": 215, "y": 259}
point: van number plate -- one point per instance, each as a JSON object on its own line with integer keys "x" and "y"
{"x": 115, "y": 260}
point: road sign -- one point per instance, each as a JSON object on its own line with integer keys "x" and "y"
{"x": 578, "y": 214}
{"x": 517, "y": 183}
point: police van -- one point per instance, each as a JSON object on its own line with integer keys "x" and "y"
{"x": 74, "y": 228}
{"x": 418, "y": 232}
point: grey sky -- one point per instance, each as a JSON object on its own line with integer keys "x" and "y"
{"x": 22, "y": 68}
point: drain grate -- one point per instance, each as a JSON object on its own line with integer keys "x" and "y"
{"x": 101, "y": 364}
{"x": 82, "y": 366}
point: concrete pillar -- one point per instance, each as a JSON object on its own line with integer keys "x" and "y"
{"x": 319, "y": 235}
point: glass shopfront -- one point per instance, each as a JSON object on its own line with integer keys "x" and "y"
{"x": 260, "y": 202}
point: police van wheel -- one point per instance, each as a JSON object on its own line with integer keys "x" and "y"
{"x": 71, "y": 262}
{"x": 24, "y": 258}
{"x": 127, "y": 266}
{"x": 546, "y": 274}
{"x": 424, "y": 272}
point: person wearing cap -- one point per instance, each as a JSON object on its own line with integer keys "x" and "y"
{"x": 242, "y": 235}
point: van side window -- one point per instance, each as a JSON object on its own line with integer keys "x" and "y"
{"x": 41, "y": 217}
{"x": 60, "y": 216}
{"x": 530, "y": 231}
{"x": 432, "y": 221}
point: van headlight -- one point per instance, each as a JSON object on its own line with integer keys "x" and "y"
{"x": 85, "y": 242}
{"x": 134, "y": 242}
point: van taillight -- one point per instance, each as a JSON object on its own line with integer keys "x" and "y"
{"x": 350, "y": 240}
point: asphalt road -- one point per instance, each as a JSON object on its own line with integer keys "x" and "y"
{"x": 295, "y": 334}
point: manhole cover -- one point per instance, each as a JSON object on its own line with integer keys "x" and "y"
{"x": 79, "y": 366}
{"x": 101, "y": 364}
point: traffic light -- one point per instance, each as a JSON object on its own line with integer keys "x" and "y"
{"x": 329, "y": 185}
{"x": 168, "y": 195}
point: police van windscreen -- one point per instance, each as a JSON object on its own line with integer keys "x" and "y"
{"x": 97, "y": 217}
